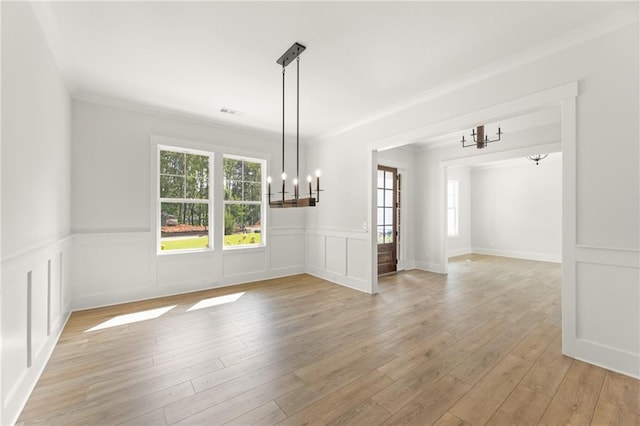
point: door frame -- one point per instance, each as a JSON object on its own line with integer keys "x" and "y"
{"x": 394, "y": 231}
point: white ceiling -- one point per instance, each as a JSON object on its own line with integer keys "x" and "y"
{"x": 196, "y": 58}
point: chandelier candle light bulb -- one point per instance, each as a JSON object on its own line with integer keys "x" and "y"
{"x": 269, "y": 188}
{"x": 295, "y": 188}
{"x": 309, "y": 182}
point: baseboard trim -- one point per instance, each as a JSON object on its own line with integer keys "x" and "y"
{"x": 613, "y": 359}
{"x": 430, "y": 267}
{"x": 541, "y": 257}
{"x": 459, "y": 252}
{"x": 343, "y": 280}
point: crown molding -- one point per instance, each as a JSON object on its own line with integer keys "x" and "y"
{"x": 608, "y": 24}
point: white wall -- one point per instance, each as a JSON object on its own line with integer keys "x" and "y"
{"x": 599, "y": 175}
{"x": 36, "y": 153}
{"x": 516, "y": 209}
{"x": 461, "y": 243}
{"x": 114, "y": 209}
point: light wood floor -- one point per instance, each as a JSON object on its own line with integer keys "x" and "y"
{"x": 479, "y": 346}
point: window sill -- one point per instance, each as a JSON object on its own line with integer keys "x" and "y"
{"x": 244, "y": 249}
{"x": 182, "y": 252}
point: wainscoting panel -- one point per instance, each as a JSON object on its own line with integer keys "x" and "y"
{"x": 605, "y": 296}
{"x": 358, "y": 259}
{"x": 607, "y": 319}
{"x": 336, "y": 255}
{"x": 342, "y": 257}
{"x": 109, "y": 263}
{"x": 34, "y": 310}
{"x": 244, "y": 261}
{"x": 287, "y": 249}
{"x": 182, "y": 272}
{"x": 315, "y": 251}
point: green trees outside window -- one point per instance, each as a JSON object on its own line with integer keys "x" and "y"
{"x": 184, "y": 201}
{"x": 242, "y": 202}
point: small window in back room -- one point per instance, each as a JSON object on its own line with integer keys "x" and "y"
{"x": 452, "y": 208}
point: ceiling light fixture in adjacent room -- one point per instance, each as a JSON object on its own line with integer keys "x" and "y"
{"x": 480, "y": 140}
{"x": 293, "y": 53}
{"x": 537, "y": 158}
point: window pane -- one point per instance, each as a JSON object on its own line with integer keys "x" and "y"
{"x": 252, "y": 191}
{"x": 172, "y": 163}
{"x": 380, "y": 234}
{"x": 388, "y": 237}
{"x": 380, "y": 216}
{"x": 197, "y": 177}
{"x": 243, "y": 180}
{"x": 252, "y": 172}
{"x": 388, "y": 216}
{"x": 232, "y": 169}
{"x": 171, "y": 186}
{"x": 242, "y": 225}
{"x": 197, "y": 187}
{"x": 388, "y": 198}
{"x": 184, "y": 226}
{"x": 388, "y": 180}
{"x": 233, "y": 190}
{"x": 380, "y": 197}
{"x": 380, "y": 178}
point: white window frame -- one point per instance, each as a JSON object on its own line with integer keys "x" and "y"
{"x": 453, "y": 203}
{"x": 159, "y": 200}
{"x": 262, "y": 203}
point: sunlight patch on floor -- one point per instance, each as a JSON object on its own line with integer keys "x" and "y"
{"x": 131, "y": 318}
{"x": 215, "y": 301}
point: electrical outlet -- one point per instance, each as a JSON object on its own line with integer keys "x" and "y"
{"x": 365, "y": 226}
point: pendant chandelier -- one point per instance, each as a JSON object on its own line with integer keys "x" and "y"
{"x": 537, "y": 158}
{"x": 293, "y": 53}
{"x": 480, "y": 140}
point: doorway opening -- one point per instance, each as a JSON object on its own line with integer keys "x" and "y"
{"x": 510, "y": 208}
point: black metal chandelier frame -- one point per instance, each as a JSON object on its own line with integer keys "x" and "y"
{"x": 293, "y": 53}
{"x": 480, "y": 140}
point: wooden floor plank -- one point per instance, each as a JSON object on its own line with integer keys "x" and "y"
{"x": 341, "y": 401}
{"x": 431, "y": 404}
{"x": 268, "y": 414}
{"x": 577, "y": 396}
{"x": 622, "y": 391}
{"x": 523, "y": 407}
{"x": 481, "y": 402}
{"x": 368, "y": 413}
{"x": 547, "y": 373}
{"x": 611, "y": 415}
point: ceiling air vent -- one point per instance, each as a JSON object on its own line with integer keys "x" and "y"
{"x": 231, "y": 111}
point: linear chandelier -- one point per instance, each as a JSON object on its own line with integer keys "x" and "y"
{"x": 480, "y": 140}
{"x": 296, "y": 201}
